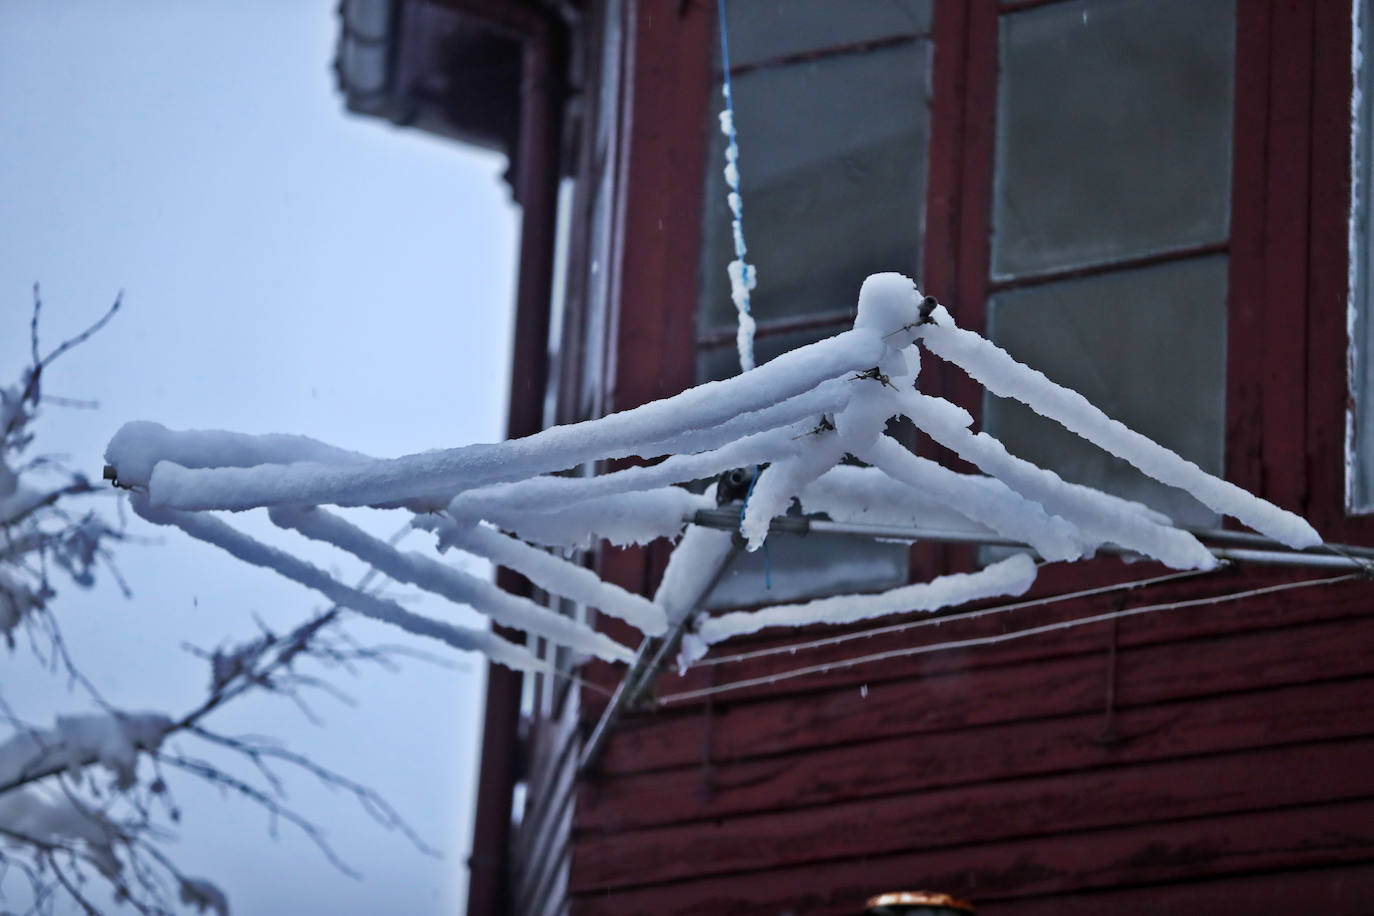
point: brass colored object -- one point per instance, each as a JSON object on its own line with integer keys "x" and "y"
{"x": 917, "y": 903}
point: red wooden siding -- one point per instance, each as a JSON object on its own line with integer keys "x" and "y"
{"x": 1047, "y": 867}
{"x": 1004, "y": 773}
{"x": 921, "y": 761}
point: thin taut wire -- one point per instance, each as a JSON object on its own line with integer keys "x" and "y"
{"x": 792, "y": 648}
{"x": 686, "y": 695}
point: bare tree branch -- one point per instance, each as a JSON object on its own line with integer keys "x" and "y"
{"x": 39, "y": 530}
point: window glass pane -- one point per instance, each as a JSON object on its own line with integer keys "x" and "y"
{"x": 761, "y": 30}
{"x": 832, "y": 163}
{"x": 1146, "y": 346}
{"x": 722, "y": 361}
{"x": 806, "y": 567}
{"x": 1114, "y": 131}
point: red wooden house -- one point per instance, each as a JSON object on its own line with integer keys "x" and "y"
{"x": 1161, "y": 203}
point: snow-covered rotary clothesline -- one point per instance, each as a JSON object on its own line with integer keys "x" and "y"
{"x": 798, "y": 416}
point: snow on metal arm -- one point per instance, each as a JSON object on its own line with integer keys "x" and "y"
{"x": 213, "y": 531}
{"x": 999, "y": 373}
{"x": 453, "y": 584}
{"x": 795, "y": 419}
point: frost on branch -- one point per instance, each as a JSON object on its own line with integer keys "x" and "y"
{"x": 794, "y": 420}
{"x": 86, "y": 802}
{"x": 82, "y": 795}
{"x": 112, "y": 740}
{"x": 39, "y": 524}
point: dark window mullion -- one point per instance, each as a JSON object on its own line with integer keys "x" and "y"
{"x": 725, "y": 334}
{"x": 1040, "y": 278}
{"x": 1017, "y": 6}
{"x": 1110, "y": 236}
{"x": 812, "y": 55}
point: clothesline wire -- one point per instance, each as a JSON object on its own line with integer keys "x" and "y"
{"x": 792, "y": 648}
{"x": 1340, "y": 551}
{"x": 684, "y": 696}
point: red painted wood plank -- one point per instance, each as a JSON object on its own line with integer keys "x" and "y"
{"x": 965, "y": 699}
{"x": 1335, "y": 834}
{"x": 1284, "y": 328}
{"x": 916, "y": 763}
{"x": 1330, "y": 891}
{"x": 1034, "y": 807}
{"x": 1246, "y": 297}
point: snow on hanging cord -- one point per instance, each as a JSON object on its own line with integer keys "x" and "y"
{"x": 743, "y": 277}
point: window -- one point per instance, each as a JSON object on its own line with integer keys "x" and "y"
{"x": 1110, "y": 224}
{"x": 831, "y": 111}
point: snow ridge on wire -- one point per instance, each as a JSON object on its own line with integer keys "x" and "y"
{"x": 522, "y": 504}
{"x": 1008, "y": 636}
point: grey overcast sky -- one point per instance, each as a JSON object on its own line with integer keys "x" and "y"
{"x": 286, "y": 268}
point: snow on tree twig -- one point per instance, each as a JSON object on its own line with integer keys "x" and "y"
{"x": 85, "y": 800}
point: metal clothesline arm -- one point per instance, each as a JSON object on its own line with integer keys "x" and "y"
{"x": 1259, "y": 550}
{"x": 651, "y": 658}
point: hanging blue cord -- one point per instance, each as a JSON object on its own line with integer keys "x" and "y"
{"x": 742, "y": 275}
{"x": 725, "y": 62}
{"x": 724, "y": 47}
{"x": 737, "y": 210}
